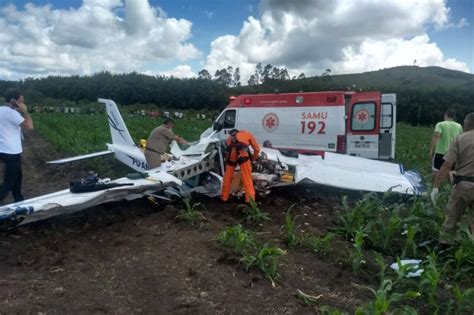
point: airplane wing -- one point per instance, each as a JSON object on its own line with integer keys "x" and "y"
{"x": 65, "y": 201}
{"x": 80, "y": 157}
{"x": 352, "y": 173}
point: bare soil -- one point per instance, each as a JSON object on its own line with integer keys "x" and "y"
{"x": 135, "y": 257}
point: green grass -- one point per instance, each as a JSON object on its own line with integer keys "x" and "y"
{"x": 412, "y": 147}
{"x": 81, "y": 133}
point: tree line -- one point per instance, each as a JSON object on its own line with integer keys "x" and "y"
{"x": 423, "y": 94}
{"x": 231, "y": 78}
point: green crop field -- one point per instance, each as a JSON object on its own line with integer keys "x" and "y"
{"x": 80, "y": 134}
{"x": 376, "y": 230}
{"x": 412, "y": 147}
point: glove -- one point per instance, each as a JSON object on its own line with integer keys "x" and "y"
{"x": 434, "y": 194}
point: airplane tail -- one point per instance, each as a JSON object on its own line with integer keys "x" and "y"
{"x": 118, "y": 129}
{"x": 122, "y": 146}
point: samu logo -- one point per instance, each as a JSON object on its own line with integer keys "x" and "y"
{"x": 270, "y": 122}
{"x": 139, "y": 163}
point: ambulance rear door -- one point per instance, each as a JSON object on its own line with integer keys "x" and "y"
{"x": 388, "y": 118}
{"x": 363, "y": 125}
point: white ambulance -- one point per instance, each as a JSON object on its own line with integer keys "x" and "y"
{"x": 355, "y": 123}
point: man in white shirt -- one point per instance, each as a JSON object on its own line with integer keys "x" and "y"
{"x": 13, "y": 117}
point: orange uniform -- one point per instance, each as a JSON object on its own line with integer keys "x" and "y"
{"x": 238, "y": 153}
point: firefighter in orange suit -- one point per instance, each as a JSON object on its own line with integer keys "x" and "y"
{"x": 238, "y": 153}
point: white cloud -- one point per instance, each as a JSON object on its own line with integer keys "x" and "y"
{"x": 463, "y": 22}
{"x": 374, "y": 55}
{"x": 181, "y": 71}
{"x": 112, "y": 35}
{"x": 310, "y": 36}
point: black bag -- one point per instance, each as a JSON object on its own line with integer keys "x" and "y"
{"x": 92, "y": 183}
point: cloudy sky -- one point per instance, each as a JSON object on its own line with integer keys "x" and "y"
{"x": 181, "y": 37}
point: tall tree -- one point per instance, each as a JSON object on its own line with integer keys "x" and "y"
{"x": 230, "y": 79}
{"x": 258, "y": 72}
{"x": 275, "y": 74}
{"x": 204, "y": 74}
{"x": 253, "y": 80}
{"x": 326, "y": 73}
{"x": 266, "y": 73}
{"x": 224, "y": 76}
{"x": 237, "y": 77}
{"x": 284, "y": 74}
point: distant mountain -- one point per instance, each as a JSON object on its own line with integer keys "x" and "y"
{"x": 408, "y": 77}
{"x": 385, "y": 80}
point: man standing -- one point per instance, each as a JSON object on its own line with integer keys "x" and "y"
{"x": 13, "y": 117}
{"x": 460, "y": 154}
{"x": 444, "y": 134}
{"x": 159, "y": 141}
{"x": 238, "y": 153}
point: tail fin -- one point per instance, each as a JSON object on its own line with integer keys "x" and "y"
{"x": 118, "y": 129}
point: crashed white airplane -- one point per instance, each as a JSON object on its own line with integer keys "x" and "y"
{"x": 199, "y": 168}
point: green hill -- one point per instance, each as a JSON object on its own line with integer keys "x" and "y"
{"x": 410, "y": 77}
{"x": 386, "y": 80}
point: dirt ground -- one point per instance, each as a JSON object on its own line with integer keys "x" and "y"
{"x": 135, "y": 257}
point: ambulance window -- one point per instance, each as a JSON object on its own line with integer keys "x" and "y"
{"x": 229, "y": 119}
{"x": 386, "y": 116}
{"x": 363, "y": 117}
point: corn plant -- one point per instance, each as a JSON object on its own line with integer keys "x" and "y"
{"x": 266, "y": 260}
{"x": 238, "y": 239}
{"x": 320, "y": 245}
{"x": 389, "y": 232}
{"x": 356, "y": 256}
{"x": 242, "y": 242}
{"x": 427, "y": 218}
{"x": 466, "y": 241}
{"x": 384, "y": 299}
{"x": 292, "y": 240}
{"x": 355, "y": 218}
{"x": 253, "y": 212}
{"x": 382, "y": 266}
{"x": 430, "y": 279}
{"x": 461, "y": 261}
{"x": 190, "y": 214}
{"x": 410, "y": 247}
{"x": 463, "y": 302}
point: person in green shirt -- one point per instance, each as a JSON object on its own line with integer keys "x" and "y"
{"x": 445, "y": 132}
